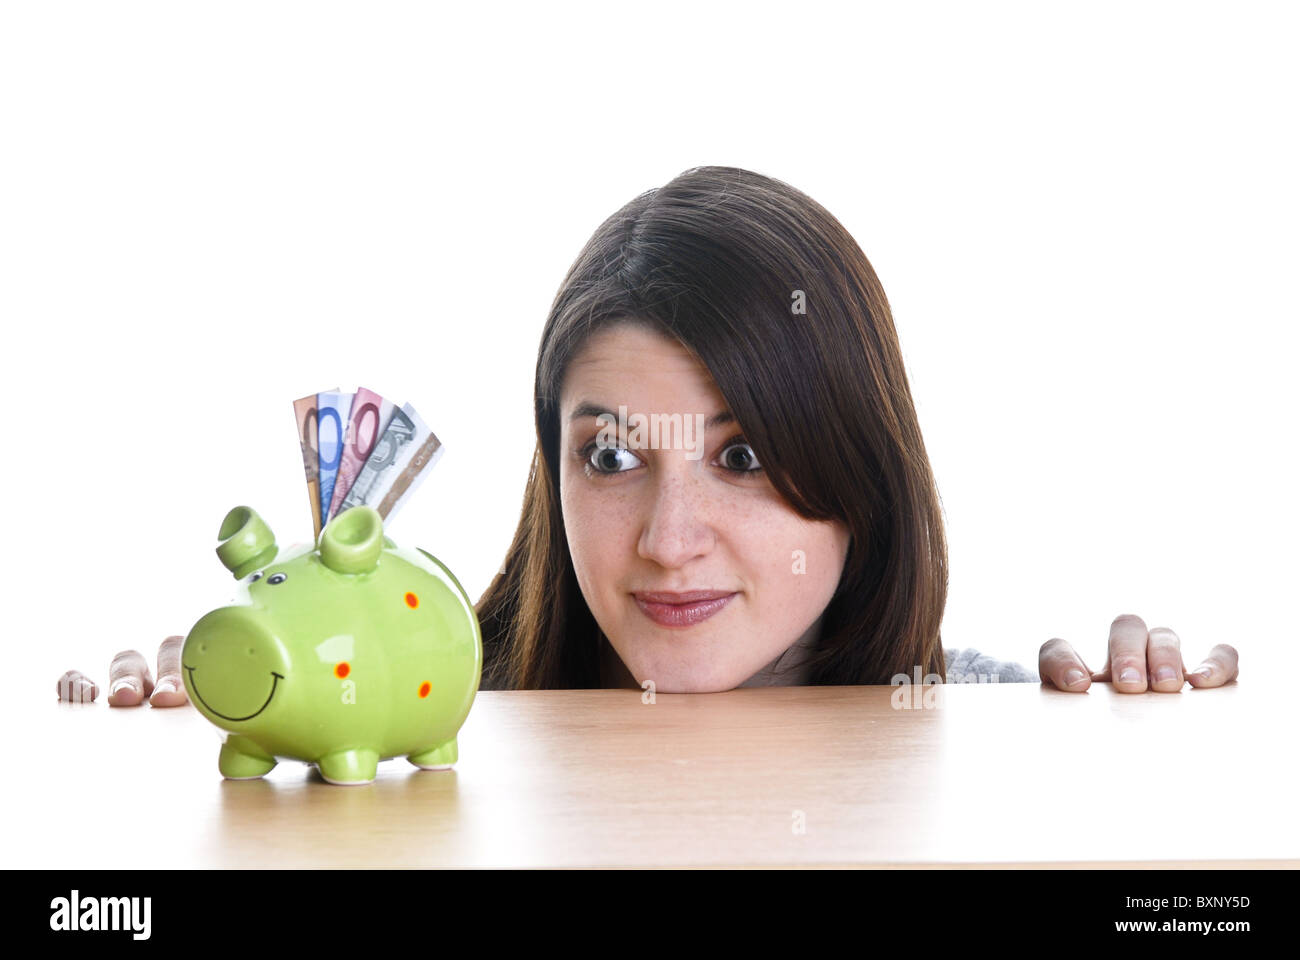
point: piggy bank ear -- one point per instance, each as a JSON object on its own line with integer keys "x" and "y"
{"x": 352, "y": 541}
{"x": 247, "y": 543}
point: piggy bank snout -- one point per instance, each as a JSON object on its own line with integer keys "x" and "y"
{"x": 232, "y": 665}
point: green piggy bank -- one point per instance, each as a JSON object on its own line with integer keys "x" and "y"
{"x": 340, "y": 654}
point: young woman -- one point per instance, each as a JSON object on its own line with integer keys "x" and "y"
{"x": 789, "y": 530}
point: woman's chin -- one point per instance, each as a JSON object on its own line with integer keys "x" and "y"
{"x": 685, "y": 676}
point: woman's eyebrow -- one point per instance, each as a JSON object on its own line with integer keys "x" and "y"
{"x": 589, "y": 409}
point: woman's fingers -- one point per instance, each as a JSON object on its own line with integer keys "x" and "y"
{"x": 1164, "y": 660}
{"x": 1128, "y": 654}
{"x": 129, "y": 681}
{"x": 170, "y": 689}
{"x": 1137, "y": 659}
{"x": 75, "y": 687}
{"x": 1062, "y": 667}
{"x": 1218, "y": 668}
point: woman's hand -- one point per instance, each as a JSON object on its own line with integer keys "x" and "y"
{"x": 129, "y": 681}
{"x": 1138, "y": 658}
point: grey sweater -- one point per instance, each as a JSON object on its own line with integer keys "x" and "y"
{"x": 971, "y": 666}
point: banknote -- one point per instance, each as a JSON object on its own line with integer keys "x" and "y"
{"x": 304, "y": 411}
{"x": 404, "y": 455}
{"x": 333, "y": 412}
{"x": 371, "y": 415}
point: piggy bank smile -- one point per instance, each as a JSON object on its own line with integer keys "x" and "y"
{"x": 275, "y": 678}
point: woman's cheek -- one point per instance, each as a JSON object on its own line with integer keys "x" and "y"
{"x": 805, "y": 571}
{"x": 598, "y": 540}
{"x": 777, "y": 550}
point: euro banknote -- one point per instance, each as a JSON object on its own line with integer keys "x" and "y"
{"x": 361, "y": 448}
{"x": 333, "y": 411}
{"x": 401, "y": 460}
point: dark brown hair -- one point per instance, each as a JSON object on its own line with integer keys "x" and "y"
{"x": 714, "y": 259}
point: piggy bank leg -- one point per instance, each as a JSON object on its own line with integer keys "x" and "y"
{"x": 349, "y": 766}
{"x": 440, "y": 757}
{"x": 240, "y": 759}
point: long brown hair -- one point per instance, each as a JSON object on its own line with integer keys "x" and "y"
{"x": 715, "y": 259}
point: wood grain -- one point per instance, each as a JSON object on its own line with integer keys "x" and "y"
{"x": 990, "y": 775}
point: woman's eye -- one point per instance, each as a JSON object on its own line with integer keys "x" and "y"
{"x": 608, "y": 460}
{"x": 739, "y": 457}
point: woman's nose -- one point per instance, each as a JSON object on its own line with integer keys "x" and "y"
{"x": 678, "y": 524}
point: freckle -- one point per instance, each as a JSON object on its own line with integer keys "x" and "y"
{"x": 424, "y": 689}
{"x": 412, "y": 600}
{"x": 342, "y": 670}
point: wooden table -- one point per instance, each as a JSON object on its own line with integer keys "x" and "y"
{"x": 995, "y": 774}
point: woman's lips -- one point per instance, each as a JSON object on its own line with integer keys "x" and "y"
{"x": 681, "y": 614}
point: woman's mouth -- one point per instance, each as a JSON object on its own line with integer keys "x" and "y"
{"x": 682, "y": 610}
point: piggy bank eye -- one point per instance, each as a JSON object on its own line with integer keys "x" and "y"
{"x": 255, "y": 577}
{"x": 277, "y": 578}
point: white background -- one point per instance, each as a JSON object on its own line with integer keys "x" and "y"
{"x": 1084, "y": 215}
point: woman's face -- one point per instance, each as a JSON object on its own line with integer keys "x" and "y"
{"x": 684, "y": 514}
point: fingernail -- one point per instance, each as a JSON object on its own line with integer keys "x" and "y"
{"x": 124, "y": 683}
{"x": 1129, "y": 675}
{"x": 1072, "y": 676}
{"x": 1164, "y": 673}
{"x": 1203, "y": 671}
{"x": 164, "y": 686}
